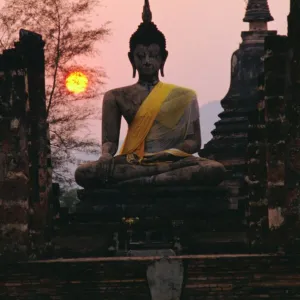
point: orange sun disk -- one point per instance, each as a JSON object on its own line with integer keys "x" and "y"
{"x": 76, "y": 82}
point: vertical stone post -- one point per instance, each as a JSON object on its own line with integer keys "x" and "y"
{"x": 14, "y": 162}
{"x": 256, "y": 178}
{"x": 25, "y": 162}
{"x": 291, "y": 211}
{"x": 276, "y": 49}
{"x": 31, "y": 46}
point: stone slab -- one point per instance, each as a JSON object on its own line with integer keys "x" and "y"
{"x": 205, "y": 277}
{"x": 150, "y": 195}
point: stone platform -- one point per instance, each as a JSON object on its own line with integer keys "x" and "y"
{"x": 205, "y": 277}
{"x": 172, "y": 202}
{"x": 192, "y": 219}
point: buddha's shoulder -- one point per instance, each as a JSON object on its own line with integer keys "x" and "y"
{"x": 120, "y": 91}
{"x": 182, "y": 89}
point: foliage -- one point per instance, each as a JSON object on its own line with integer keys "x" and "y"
{"x": 69, "y": 199}
{"x": 70, "y": 41}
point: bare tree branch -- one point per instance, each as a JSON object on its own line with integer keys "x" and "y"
{"x": 65, "y": 26}
{"x": 56, "y": 58}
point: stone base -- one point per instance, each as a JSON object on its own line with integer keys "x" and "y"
{"x": 186, "y": 219}
{"x": 173, "y": 202}
{"x": 205, "y": 277}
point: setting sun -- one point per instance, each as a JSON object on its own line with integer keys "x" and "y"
{"x": 76, "y": 82}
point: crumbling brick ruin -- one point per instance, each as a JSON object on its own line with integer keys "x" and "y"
{"x": 273, "y": 145}
{"x": 263, "y": 161}
{"x": 25, "y": 173}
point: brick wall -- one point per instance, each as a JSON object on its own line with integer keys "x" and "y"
{"x": 25, "y": 165}
{"x": 292, "y": 179}
{"x": 206, "y": 278}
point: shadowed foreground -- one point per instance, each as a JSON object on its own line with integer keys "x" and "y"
{"x": 205, "y": 277}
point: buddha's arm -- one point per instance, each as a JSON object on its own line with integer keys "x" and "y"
{"x": 111, "y": 122}
{"x": 192, "y": 142}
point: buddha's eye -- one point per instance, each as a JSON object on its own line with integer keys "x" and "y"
{"x": 141, "y": 55}
{"x": 154, "y": 55}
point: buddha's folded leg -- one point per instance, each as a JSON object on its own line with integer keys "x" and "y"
{"x": 93, "y": 173}
{"x": 124, "y": 171}
{"x": 205, "y": 172}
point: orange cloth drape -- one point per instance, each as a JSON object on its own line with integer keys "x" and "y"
{"x": 143, "y": 121}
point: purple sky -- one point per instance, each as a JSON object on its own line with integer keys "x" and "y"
{"x": 201, "y": 37}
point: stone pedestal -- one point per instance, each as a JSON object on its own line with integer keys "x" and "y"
{"x": 184, "y": 219}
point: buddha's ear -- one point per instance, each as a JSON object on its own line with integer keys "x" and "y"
{"x": 163, "y": 64}
{"x": 130, "y": 56}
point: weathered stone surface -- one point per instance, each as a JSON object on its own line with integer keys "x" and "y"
{"x": 165, "y": 279}
{"x": 164, "y": 276}
{"x": 205, "y": 277}
{"x": 25, "y": 175}
{"x": 229, "y": 144}
{"x": 154, "y": 211}
{"x": 160, "y": 201}
{"x": 258, "y": 10}
{"x": 291, "y": 206}
{"x": 277, "y": 117}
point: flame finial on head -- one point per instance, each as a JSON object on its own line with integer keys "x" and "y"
{"x": 147, "y": 14}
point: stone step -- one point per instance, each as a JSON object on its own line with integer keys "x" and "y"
{"x": 231, "y": 276}
{"x": 153, "y": 195}
{"x": 91, "y": 245}
{"x": 218, "y": 242}
{"x": 116, "y": 213}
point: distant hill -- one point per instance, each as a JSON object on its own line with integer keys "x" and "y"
{"x": 208, "y": 117}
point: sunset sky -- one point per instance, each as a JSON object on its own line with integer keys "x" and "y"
{"x": 201, "y": 37}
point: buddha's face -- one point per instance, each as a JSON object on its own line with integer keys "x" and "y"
{"x": 147, "y": 59}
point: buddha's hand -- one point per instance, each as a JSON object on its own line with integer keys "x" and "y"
{"x": 163, "y": 156}
{"x": 104, "y": 164}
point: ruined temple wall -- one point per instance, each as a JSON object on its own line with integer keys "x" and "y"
{"x": 14, "y": 171}
{"x": 205, "y": 277}
{"x": 25, "y": 162}
{"x": 274, "y": 149}
{"x": 281, "y": 139}
{"x": 291, "y": 211}
{"x": 276, "y": 126}
{"x": 256, "y": 177}
{"x": 268, "y": 131}
{"x": 230, "y": 138}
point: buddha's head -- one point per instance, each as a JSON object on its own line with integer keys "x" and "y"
{"x": 148, "y": 52}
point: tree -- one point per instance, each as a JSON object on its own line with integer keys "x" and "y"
{"x": 70, "y": 40}
{"x": 69, "y": 199}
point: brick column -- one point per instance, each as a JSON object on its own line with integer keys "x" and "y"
{"x": 256, "y": 178}
{"x": 25, "y": 162}
{"x": 14, "y": 163}
{"x": 32, "y": 47}
{"x": 293, "y": 140}
{"x": 276, "y": 129}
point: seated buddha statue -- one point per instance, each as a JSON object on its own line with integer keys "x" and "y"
{"x": 163, "y": 126}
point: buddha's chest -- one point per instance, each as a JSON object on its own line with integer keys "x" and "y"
{"x": 130, "y": 103}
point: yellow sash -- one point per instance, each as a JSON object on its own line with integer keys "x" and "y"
{"x": 143, "y": 120}
{"x": 149, "y": 111}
